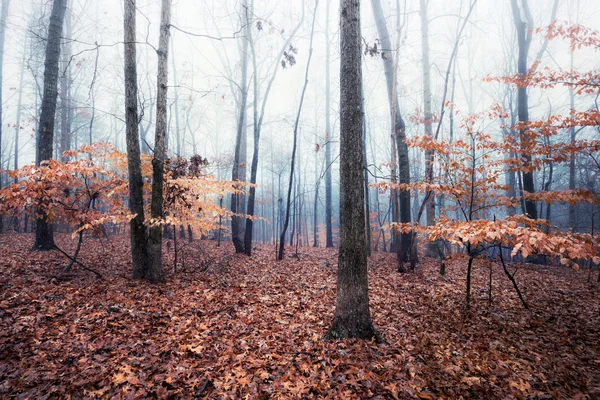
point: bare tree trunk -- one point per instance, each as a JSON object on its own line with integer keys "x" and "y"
{"x": 3, "y": 18}
{"x": 19, "y": 106}
{"x": 524, "y": 40}
{"x": 240, "y": 138}
{"x": 401, "y": 200}
{"x": 44, "y": 237}
{"x": 258, "y": 120}
{"x": 428, "y": 120}
{"x": 328, "y": 135}
{"x": 294, "y": 146}
{"x": 138, "y": 231}
{"x": 65, "y": 90}
{"x": 572, "y": 182}
{"x": 352, "y": 317}
{"x": 366, "y": 175}
{"x": 155, "y": 272}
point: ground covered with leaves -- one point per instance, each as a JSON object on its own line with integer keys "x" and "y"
{"x": 228, "y": 326}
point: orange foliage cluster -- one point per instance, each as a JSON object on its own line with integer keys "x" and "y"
{"x": 92, "y": 187}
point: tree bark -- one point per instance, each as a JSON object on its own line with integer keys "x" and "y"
{"x": 237, "y": 235}
{"x": 155, "y": 272}
{"x": 65, "y": 91}
{"x": 398, "y": 129}
{"x": 352, "y": 317}
{"x": 44, "y": 237}
{"x": 138, "y": 231}
{"x": 524, "y": 40}
{"x": 428, "y": 120}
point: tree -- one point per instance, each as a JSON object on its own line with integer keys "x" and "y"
{"x": 390, "y": 65}
{"x": 328, "y": 134}
{"x": 154, "y": 272}
{"x": 352, "y": 317}
{"x": 3, "y": 18}
{"x": 44, "y": 237}
{"x": 428, "y": 118}
{"x": 524, "y": 34}
{"x": 258, "y": 121}
{"x": 239, "y": 160}
{"x": 138, "y": 231}
{"x": 294, "y": 146}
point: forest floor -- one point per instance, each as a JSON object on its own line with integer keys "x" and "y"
{"x": 229, "y": 326}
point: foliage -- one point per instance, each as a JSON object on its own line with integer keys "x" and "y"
{"x": 253, "y": 328}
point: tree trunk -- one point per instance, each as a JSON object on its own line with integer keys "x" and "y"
{"x": 155, "y": 272}
{"x": 3, "y": 18}
{"x": 524, "y": 40}
{"x": 352, "y": 317}
{"x": 44, "y": 237}
{"x": 294, "y": 146}
{"x": 328, "y": 135}
{"x": 138, "y": 232}
{"x": 398, "y": 130}
{"x": 65, "y": 91}
{"x": 19, "y": 106}
{"x": 428, "y": 120}
{"x": 257, "y": 125}
{"x": 236, "y": 222}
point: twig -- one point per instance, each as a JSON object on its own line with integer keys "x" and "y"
{"x": 98, "y": 274}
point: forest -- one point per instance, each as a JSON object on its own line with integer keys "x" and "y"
{"x": 298, "y": 199}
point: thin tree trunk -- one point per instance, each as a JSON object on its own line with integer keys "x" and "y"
{"x": 352, "y": 317}
{"x": 400, "y": 159}
{"x": 44, "y": 237}
{"x": 240, "y": 142}
{"x": 328, "y": 133}
{"x": 155, "y": 272}
{"x": 65, "y": 90}
{"x": 573, "y": 136}
{"x": 428, "y": 120}
{"x": 294, "y": 146}
{"x": 19, "y": 106}
{"x": 258, "y": 120}
{"x": 3, "y": 18}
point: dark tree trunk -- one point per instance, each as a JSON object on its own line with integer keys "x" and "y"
{"x": 398, "y": 129}
{"x": 138, "y": 232}
{"x": 352, "y": 315}
{"x": 44, "y": 237}
{"x": 524, "y": 40}
{"x": 239, "y": 159}
{"x": 155, "y": 272}
{"x": 65, "y": 91}
{"x": 257, "y": 121}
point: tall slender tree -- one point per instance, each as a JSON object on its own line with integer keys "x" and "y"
{"x": 524, "y": 34}
{"x": 138, "y": 231}
{"x": 44, "y": 237}
{"x": 390, "y": 61}
{"x": 239, "y": 158}
{"x": 258, "y": 121}
{"x": 3, "y": 18}
{"x": 328, "y": 135}
{"x": 155, "y": 272}
{"x": 295, "y": 142}
{"x": 65, "y": 89}
{"x": 352, "y": 317}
